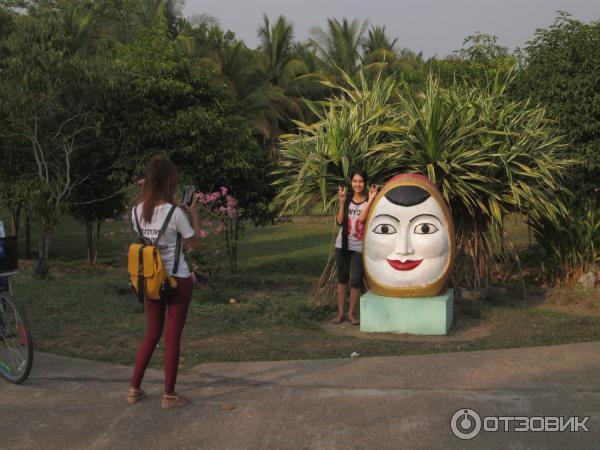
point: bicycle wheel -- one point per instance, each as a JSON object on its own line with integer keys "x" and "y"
{"x": 16, "y": 345}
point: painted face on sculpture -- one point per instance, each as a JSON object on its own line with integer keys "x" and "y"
{"x": 408, "y": 244}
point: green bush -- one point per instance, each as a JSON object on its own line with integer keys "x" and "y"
{"x": 568, "y": 247}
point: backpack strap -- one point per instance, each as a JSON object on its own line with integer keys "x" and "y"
{"x": 178, "y": 245}
{"x": 177, "y": 254}
{"x": 166, "y": 222}
{"x": 139, "y": 229}
{"x": 141, "y": 284}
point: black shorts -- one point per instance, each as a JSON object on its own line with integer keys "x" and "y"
{"x": 349, "y": 267}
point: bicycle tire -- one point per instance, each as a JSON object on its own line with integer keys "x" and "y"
{"x": 16, "y": 343}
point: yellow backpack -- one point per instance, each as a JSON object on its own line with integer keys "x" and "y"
{"x": 146, "y": 270}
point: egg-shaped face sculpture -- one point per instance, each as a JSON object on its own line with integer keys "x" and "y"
{"x": 409, "y": 239}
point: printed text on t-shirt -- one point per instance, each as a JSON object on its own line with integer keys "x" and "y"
{"x": 148, "y": 232}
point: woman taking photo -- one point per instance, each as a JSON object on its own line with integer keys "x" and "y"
{"x": 148, "y": 216}
{"x": 351, "y": 216}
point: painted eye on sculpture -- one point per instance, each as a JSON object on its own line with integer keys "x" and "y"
{"x": 384, "y": 228}
{"x": 425, "y": 228}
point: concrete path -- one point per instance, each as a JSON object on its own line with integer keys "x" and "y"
{"x": 364, "y": 403}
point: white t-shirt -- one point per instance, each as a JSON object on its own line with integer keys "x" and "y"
{"x": 356, "y": 229}
{"x": 166, "y": 246}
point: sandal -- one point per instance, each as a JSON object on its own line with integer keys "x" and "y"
{"x": 173, "y": 401}
{"x": 354, "y": 321}
{"x": 337, "y": 320}
{"x": 135, "y": 395}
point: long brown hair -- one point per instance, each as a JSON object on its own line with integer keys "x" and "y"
{"x": 160, "y": 184}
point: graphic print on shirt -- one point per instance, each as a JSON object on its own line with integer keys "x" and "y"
{"x": 359, "y": 233}
{"x": 151, "y": 234}
{"x": 356, "y": 229}
{"x": 359, "y": 229}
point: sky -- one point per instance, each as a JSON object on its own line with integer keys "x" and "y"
{"x": 436, "y": 27}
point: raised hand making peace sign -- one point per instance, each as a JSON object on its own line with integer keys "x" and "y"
{"x": 342, "y": 194}
{"x": 373, "y": 192}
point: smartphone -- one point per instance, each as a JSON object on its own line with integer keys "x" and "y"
{"x": 188, "y": 195}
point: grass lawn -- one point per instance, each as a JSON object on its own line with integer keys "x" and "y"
{"x": 91, "y": 313}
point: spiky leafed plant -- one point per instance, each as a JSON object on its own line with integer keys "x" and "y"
{"x": 354, "y": 129}
{"x": 489, "y": 156}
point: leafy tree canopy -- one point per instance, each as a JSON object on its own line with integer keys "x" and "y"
{"x": 560, "y": 69}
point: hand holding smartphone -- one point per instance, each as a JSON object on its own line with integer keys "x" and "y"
{"x": 188, "y": 195}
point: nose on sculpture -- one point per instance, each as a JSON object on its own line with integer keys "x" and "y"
{"x": 404, "y": 246}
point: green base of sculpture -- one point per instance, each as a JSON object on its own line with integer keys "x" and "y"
{"x": 421, "y": 315}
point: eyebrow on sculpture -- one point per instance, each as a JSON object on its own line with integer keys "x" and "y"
{"x": 424, "y": 215}
{"x": 386, "y": 215}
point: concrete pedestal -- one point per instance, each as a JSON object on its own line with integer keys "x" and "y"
{"x": 421, "y": 315}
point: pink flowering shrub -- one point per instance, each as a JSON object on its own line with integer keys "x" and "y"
{"x": 219, "y": 231}
{"x": 219, "y": 223}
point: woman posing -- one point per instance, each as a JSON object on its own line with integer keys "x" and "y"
{"x": 351, "y": 216}
{"x": 148, "y": 216}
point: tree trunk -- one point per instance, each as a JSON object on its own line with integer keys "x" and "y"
{"x": 236, "y": 238}
{"x": 227, "y": 239}
{"x": 88, "y": 240}
{"x": 42, "y": 269}
{"x": 28, "y": 234}
{"x": 97, "y": 249}
{"x": 15, "y": 215}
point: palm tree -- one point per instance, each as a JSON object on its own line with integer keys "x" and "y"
{"x": 406, "y": 64}
{"x": 291, "y": 75}
{"x": 78, "y": 27}
{"x": 173, "y": 12}
{"x": 311, "y": 81}
{"x": 381, "y": 62}
{"x": 276, "y": 46}
{"x": 259, "y": 102}
{"x": 201, "y": 38}
{"x": 379, "y": 53}
{"x": 239, "y": 69}
{"x": 340, "y": 45}
{"x": 377, "y": 39}
{"x": 409, "y": 61}
{"x": 162, "y": 12}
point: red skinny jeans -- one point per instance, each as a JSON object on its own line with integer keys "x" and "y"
{"x": 176, "y": 310}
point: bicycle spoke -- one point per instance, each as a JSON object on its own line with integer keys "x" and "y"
{"x": 17, "y": 354}
{"x": 16, "y": 359}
